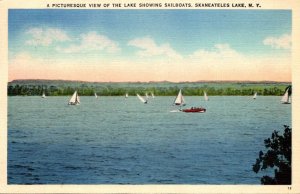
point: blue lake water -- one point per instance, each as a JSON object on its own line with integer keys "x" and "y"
{"x": 113, "y": 140}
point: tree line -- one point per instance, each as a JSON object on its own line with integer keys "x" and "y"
{"x": 36, "y": 90}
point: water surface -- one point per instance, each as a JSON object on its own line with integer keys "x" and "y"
{"x": 113, "y": 140}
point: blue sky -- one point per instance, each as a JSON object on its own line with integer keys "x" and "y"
{"x": 129, "y": 34}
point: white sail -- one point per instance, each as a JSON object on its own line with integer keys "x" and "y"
{"x": 205, "y": 96}
{"x": 74, "y": 99}
{"x": 96, "y": 95}
{"x": 141, "y": 98}
{"x": 43, "y": 96}
{"x": 152, "y": 95}
{"x": 126, "y": 95}
{"x": 285, "y": 98}
{"x": 77, "y": 99}
{"x": 179, "y": 100}
{"x": 255, "y": 95}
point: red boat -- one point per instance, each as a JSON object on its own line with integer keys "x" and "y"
{"x": 194, "y": 110}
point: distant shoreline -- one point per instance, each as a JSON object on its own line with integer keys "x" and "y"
{"x": 165, "y": 88}
{"x": 144, "y": 82}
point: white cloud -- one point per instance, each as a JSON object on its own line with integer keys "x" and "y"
{"x": 225, "y": 63}
{"x": 221, "y": 52}
{"x": 150, "y": 48}
{"x": 92, "y": 42}
{"x": 218, "y": 63}
{"x": 221, "y": 56}
{"x": 46, "y": 37}
{"x": 282, "y": 42}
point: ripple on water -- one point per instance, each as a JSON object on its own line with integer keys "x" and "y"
{"x": 111, "y": 141}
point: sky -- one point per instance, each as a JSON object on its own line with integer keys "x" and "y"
{"x": 150, "y": 45}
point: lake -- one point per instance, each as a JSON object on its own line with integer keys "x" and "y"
{"x": 113, "y": 140}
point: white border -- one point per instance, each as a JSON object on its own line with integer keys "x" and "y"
{"x": 39, "y": 4}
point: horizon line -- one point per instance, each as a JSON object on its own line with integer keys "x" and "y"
{"x": 203, "y": 81}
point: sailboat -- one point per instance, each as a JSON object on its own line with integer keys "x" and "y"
{"x": 205, "y": 97}
{"x": 74, "y": 99}
{"x": 255, "y": 95}
{"x": 96, "y": 95}
{"x": 43, "y": 96}
{"x": 179, "y": 100}
{"x": 152, "y": 95}
{"x": 141, "y": 99}
{"x": 126, "y": 95}
{"x": 286, "y": 98}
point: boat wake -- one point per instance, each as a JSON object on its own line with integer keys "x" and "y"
{"x": 175, "y": 111}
